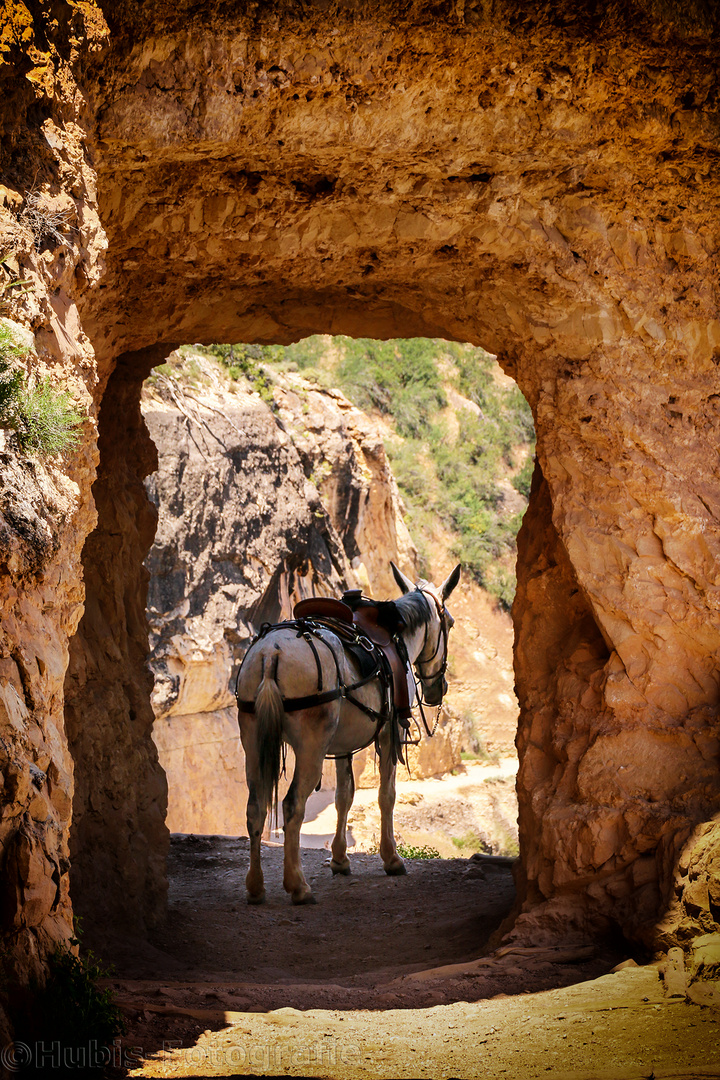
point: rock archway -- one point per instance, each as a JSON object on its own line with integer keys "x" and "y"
{"x": 535, "y": 179}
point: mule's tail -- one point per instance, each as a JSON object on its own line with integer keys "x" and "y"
{"x": 269, "y": 716}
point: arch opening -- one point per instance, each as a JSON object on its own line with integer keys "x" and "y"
{"x": 502, "y": 202}
{"x": 273, "y": 485}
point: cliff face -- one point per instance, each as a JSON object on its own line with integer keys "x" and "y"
{"x": 46, "y": 509}
{"x": 342, "y": 451}
{"x": 242, "y": 537}
{"x": 536, "y": 178}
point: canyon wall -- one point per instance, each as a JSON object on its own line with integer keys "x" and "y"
{"x": 537, "y": 178}
{"x": 46, "y": 508}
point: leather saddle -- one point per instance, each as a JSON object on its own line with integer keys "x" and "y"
{"x": 363, "y": 614}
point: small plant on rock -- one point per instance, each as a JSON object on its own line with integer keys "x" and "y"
{"x": 410, "y": 851}
{"x": 75, "y": 1013}
{"x": 48, "y": 420}
{"x": 45, "y": 420}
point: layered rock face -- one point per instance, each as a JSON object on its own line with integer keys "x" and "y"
{"x": 46, "y": 509}
{"x": 536, "y": 178}
{"x": 242, "y": 537}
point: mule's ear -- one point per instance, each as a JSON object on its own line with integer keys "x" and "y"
{"x": 404, "y": 584}
{"x": 450, "y": 582}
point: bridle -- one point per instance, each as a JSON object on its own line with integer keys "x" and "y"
{"x": 446, "y": 622}
{"x": 442, "y": 640}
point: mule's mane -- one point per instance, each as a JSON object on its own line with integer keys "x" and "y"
{"x": 413, "y": 608}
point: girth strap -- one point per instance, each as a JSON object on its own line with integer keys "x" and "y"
{"x": 294, "y": 704}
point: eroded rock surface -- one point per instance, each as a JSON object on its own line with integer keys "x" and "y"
{"x": 46, "y": 510}
{"x": 342, "y": 451}
{"x": 536, "y": 178}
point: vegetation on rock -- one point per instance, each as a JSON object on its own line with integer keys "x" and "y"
{"x": 453, "y": 463}
{"x": 77, "y": 1012}
{"x": 412, "y": 851}
{"x": 44, "y": 419}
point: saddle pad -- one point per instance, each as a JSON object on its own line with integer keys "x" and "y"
{"x": 365, "y": 660}
{"x": 324, "y": 607}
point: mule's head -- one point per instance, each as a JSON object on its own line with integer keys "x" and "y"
{"x": 431, "y": 660}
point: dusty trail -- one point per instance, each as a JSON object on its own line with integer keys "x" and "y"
{"x": 357, "y": 986}
{"x": 477, "y": 801}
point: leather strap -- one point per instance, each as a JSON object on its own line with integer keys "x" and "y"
{"x": 294, "y": 704}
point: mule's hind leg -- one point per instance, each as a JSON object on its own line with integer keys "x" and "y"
{"x": 256, "y": 813}
{"x": 392, "y": 862}
{"x": 344, "y": 793}
{"x": 308, "y": 771}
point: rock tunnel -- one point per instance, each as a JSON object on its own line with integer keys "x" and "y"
{"x": 537, "y": 179}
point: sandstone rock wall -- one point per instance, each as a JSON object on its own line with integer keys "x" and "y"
{"x": 534, "y": 180}
{"x": 46, "y": 510}
{"x": 537, "y": 178}
{"x": 107, "y": 689}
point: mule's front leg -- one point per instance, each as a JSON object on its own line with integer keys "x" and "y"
{"x": 308, "y": 771}
{"x": 392, "y": 862}
{"x": 344, "y": 794}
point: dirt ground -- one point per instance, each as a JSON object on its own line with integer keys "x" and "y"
{"x": 474, "y": 809}
{"x": 384, "y": 977}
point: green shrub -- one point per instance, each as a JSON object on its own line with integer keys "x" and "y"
{"x": 246, "y": 361}
{"x": 11, "y": 385}
{"x": 399, "y": 378}
{"x": 523, "y": 479}
{"x": 453, "y": 478}
{"x": 409, "y": 851}
{"x": 471, "y": 841}
{"x": 44, "y": 419}
{"x": 47, "y": 421}
{"x": 73, "y": 1011}
{"x": 304, "y": 354}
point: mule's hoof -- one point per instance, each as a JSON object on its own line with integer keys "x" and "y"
{"x": 340, "y": 867}
{"x": 304, "y": 898}
{"x": 256, "y": 899}
{"x": 395, "y": 869}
